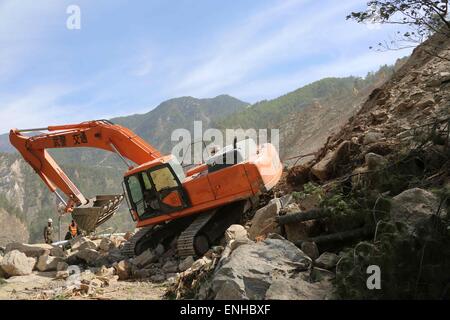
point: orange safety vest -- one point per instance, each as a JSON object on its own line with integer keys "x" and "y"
{"x": 73, "y": 230}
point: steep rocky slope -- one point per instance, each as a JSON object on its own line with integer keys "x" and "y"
{"x": 384, "y": 180}
{"x": 417, "y": 95}
{"x": 17, "y": 231}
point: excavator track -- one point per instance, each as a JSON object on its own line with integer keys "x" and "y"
{"x": 128, "y": 248}
{"x": 195, "y": 233}
{"x": 187, "y": 244}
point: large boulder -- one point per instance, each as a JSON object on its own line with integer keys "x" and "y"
{"x": 264, "y": 222}
{"x": 235, "y": 232}
{"x": 16, "y": 263}
{"x": 89, "y": 256}
{"x": 325, "y": 167}
{"x": 58, "y": 252}
{"x": 170, "y": 267}
{"x": 310, "y": 248}
{"x": 81, "y": 243}
{"x": 327, "y": 260}
{"x": 144, "y": 258}
{"x": 48, "y": 263}
{"x": 372, "y": 137}
{"x": 186, "y": 263}
{"x": 123, "y": 269}
{"x": 414, "y": 206}
{"x": 250, "y": 269}
{"x": 30, "y": 250}
{"x": 105, "y": 244}
{"x": 299, "y": 288}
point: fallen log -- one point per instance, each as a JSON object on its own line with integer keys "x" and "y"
{"x": 339, "y": 236}
{"x": 301, "y": 216}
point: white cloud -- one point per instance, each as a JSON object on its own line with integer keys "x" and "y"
{"x": 250, "y": 59}
{"x": 343, "y": 67}
{"x": 39, "y": 107}
{"x": 271, "y": 36}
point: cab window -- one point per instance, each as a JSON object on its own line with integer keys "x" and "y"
{"x": 147, "y": 183}
{"x": 136, "y": 194}
{"x": 163, "y": 179}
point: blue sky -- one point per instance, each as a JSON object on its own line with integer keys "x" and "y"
{"x": 129, "y": 56}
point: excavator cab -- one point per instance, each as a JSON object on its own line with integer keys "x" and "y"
{"x": 156, "y": 190}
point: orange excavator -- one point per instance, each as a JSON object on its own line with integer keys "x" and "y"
{"x": 194, "y": 206}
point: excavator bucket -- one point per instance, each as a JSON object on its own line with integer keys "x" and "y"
{"x": 97, "y": 211}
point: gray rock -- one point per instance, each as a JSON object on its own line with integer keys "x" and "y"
{"x": 30, "y": 250}
{"x": 234, "y": 232}
{"x": 263, "y": 222}
{"x": 62, "y": 266}
{"x": 48, "y": 263}
{"x": 63, "y": 274}
{"x": 374, "y": 161}
{"x": 372, "y": 137}
{"x": 123, "y": 270}
{"x": 186, "y": 263}
{"x": 414, "y": 206}
{"x": 142, "y": 273}
{"x": 16, "y": 263}
{"x": 170, "y": 267}
{"x": 298, "y": 289}
{"x": 105, "y": 244}
{"x": 248, "y": 272}
{"x": 158, "y": 278}
{"x": 89, "y": 256}
{"x": 114, "y": 255}
{"x": 310, "y": 248}
{"x": 144, "y": 258}
{"x": 159, "y": 250}
{"x": 324, "y": 168}
{"x": 200, "y": 263}
{"x": 327, "y": 260}
{"x": 58, "y": 252}
{"x": 81, "y": 243}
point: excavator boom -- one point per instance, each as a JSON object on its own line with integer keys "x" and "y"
{"x": 99, "y": 134}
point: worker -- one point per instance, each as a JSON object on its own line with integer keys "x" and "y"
{"x": 73, "y": 231}
{"x": 48, "y": 232}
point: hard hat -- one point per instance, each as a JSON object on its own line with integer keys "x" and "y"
{"x": 50, "y": 220}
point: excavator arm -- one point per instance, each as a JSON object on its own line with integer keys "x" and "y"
{"x": 99, "y": 134}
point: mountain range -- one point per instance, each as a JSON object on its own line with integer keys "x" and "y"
{"x": 300, "y": 115}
